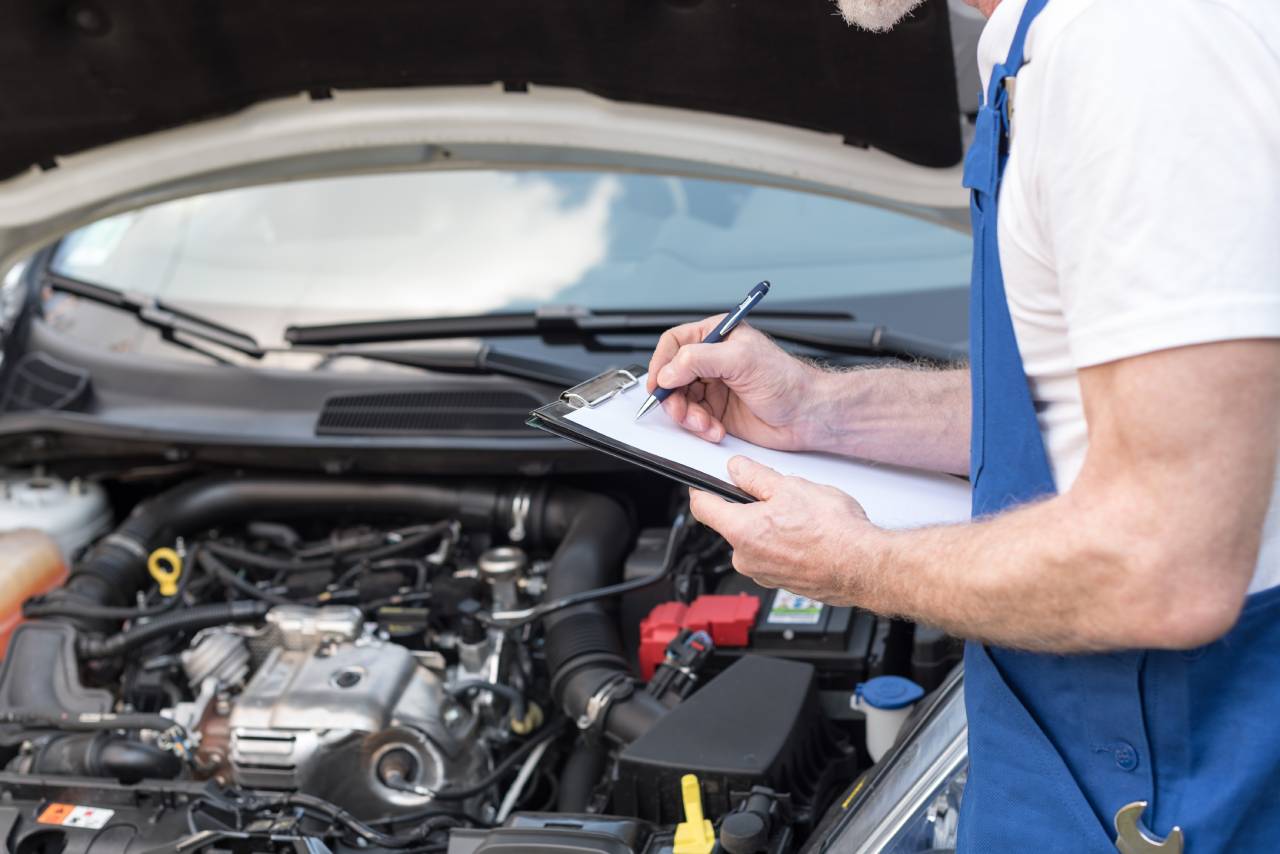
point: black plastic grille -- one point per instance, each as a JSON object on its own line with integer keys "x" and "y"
{"x": 416, "y": 413}
{"x": 40, "y": 382}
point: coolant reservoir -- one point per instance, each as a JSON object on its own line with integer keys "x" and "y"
{"x": 74, "y": 512}
{"x": 30, "y": 563}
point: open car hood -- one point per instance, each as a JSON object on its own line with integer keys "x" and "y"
{"x": 103, "y": 99}
{"x": 83, "y": 74}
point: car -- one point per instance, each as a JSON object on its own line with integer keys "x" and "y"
{"x": 286, "y": 570}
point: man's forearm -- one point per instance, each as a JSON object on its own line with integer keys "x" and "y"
{"x": 1055, "y": 576}
{"x": 904, "y": 416}
{"x": 1028, "y": 579}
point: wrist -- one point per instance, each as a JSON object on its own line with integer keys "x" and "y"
{"x": 831, "y": 419}
{"x": 862, "y": 558}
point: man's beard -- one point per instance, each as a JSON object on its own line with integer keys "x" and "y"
{"x": 876, "y": 15}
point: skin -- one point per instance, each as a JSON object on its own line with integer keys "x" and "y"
{"x": 1131, "y": 556}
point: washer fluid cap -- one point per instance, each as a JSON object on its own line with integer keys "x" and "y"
{"x": 889, "y": 692}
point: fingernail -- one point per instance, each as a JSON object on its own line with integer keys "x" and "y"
{"x": 694, "y": 421}
{"x": 666, "y": 375}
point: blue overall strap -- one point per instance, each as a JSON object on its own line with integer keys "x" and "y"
{"x": 999, "y": 385}
{"x": 1022, "y": 794}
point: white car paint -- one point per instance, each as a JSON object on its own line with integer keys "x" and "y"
{"x": 451, "y": 127}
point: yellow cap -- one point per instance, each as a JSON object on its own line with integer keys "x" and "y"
{"x": 165, "y": 566}
{"x": 694, "y": 835}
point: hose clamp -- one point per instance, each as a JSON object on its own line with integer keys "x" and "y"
{"x": 617, "y": 687}
{"x": 520, "y": 505}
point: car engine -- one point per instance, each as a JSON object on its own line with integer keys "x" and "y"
{"x": 252, "y": 663}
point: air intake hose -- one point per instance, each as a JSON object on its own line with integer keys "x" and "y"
{"x": 584, "y": 651}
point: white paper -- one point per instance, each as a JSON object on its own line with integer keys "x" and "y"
{"x": 893, "y": 497}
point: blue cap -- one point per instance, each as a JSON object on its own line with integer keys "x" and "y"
{"x": 889, "y": 692}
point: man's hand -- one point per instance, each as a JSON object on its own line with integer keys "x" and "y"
{"x": 800, "y": 535}
{"x": 746, "y": 385}
{"x": 752, "y": 388}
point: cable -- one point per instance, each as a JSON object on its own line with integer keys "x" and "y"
{"x": 430, "y": 532}
{"x": 522, "y": 779}
{"x": 264, "y": 562}
{"x": 71, "y": 604}
{"x": 391, "y": 564}
{"x": 184, "y": 620}
{"x": 91, "y": 722}
{"x": 521, "y": 618}
{"x": 336, "y": 815}
{"x": 550, "y": 732}
{"x": 219, "y": 570}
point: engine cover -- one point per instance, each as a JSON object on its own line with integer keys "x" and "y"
{"x": 347, "y": 717}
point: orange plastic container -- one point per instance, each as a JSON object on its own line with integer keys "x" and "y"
{"x": 30, "y": 563}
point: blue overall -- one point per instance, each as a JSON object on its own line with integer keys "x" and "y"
{"x": 1057, "y": 744}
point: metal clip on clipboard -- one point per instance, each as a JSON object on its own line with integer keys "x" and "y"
{"x": 606, "y": 386}
{"x": 555, "y": 418}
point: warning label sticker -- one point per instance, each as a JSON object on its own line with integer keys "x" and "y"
{"x": 73, "y": 815}
{"x": 791, "y": 609}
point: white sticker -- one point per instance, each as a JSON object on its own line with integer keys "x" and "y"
{"x": 72, "y": 815}
{"x": 792, "y": 609}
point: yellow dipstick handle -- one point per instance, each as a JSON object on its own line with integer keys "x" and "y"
{"x": 694, "y": 835}
{"x": 165, "y": 566}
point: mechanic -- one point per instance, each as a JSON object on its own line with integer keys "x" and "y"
{"x": 1119, "y": 420}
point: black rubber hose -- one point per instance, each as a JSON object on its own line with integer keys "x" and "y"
{"x": 89, "y": 721}
{"x": 116, "y": 569}
{"x": 582, "y": 771}
{"x": 104, "y": 754}
{"x": 205, "y": 560}
{"x": 186, "y": 620}
{"x": 584, "y": 651}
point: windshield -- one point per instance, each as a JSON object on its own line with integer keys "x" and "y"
{"x": 426, "y": 244}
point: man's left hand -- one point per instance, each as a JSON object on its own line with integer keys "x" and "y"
{"x": 810, "y": 539}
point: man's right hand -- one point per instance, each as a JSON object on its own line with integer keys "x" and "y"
{"x": 745, "y": 385}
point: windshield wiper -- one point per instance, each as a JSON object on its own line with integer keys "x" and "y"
{"x": 473, "y": 357}
{"x": 837, "y": 332}
{"x": 168, "y": 320}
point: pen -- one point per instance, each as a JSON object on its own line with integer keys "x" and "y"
{"x": 714, "y": 337}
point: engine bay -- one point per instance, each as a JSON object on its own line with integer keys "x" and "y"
{"x": 239, "y": 662}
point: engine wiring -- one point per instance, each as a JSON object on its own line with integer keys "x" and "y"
{"x": 516, "y": 619}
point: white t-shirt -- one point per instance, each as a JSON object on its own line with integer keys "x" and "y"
{"x": 1140, "y": 209}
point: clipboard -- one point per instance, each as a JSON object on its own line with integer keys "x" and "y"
{"x": 553, "y": 418}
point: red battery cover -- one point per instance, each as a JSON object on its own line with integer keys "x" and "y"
{"x": 728, "y": 619}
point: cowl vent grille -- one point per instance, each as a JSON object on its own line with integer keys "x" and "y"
{"x": 419, "y": 413}
{"x": 39, "y": 381}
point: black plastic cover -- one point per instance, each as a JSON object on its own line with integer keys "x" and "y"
{"x": 555, "y": 833}
{"x": 39, "y": 381}
{"x": 39, "y": 674}
{"x": 81, "y": 74}
{"x": 757, "y": 723}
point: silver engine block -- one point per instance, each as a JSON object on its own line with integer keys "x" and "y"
{"x": 336, "y": 712}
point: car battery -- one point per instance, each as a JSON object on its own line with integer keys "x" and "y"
{"x": 841, "y": 642}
